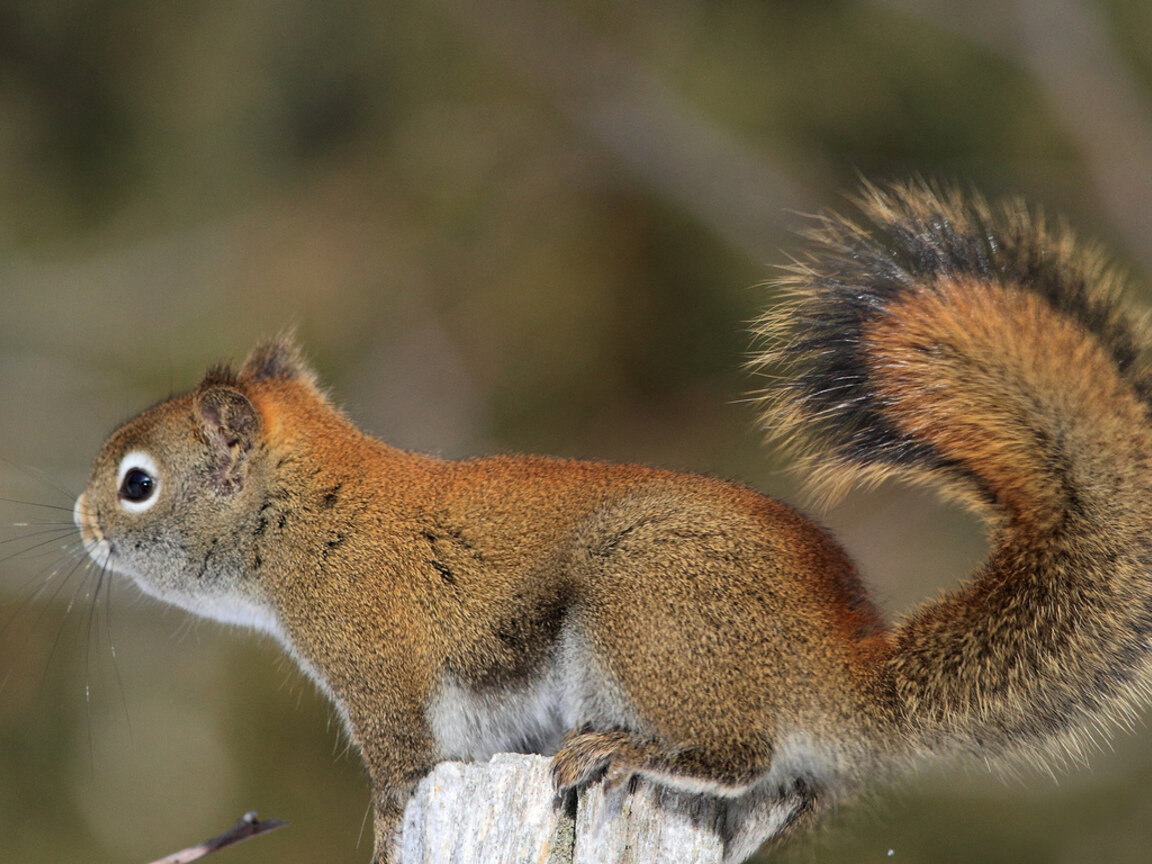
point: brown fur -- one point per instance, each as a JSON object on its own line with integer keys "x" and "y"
{"x": 634, "y": 620}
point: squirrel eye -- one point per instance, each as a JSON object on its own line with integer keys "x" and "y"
{"x": 139, "y": 481}
{"x": 137, "y": 485}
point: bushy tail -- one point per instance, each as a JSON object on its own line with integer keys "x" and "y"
{"x": 989, "y": 355}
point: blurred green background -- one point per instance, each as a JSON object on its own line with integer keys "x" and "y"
{"x": 497, "y": 226}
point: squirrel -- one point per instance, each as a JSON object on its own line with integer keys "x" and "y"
{"x": 634, "y": 621}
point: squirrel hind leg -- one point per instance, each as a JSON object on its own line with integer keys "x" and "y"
{"x": 616, "y": 755}
{"x": 756, "y": 810}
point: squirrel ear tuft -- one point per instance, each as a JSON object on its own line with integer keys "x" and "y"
{"x": 277, "y": 359}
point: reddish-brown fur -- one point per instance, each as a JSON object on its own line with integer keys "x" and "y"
{"x": 679, "y": 627}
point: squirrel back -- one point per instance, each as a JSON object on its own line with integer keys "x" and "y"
{"x": 984, "y": 353}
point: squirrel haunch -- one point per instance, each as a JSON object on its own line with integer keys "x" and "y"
{"x": 691, "y": 631}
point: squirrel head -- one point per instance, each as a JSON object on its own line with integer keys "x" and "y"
{"x": 172, "y": 496}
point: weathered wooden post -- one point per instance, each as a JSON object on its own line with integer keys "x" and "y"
{"x": 505, "y": 812}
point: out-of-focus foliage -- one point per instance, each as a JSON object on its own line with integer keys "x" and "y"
{"x": 496, "y": 225}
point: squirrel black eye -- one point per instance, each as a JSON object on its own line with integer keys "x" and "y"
{"x": 137, "y": 485}
{"x": 139, "y": 481}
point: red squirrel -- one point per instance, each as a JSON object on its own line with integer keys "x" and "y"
{"x": 635, "y": 621}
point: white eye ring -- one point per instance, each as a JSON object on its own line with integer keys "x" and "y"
{"x": 137, "y": 482}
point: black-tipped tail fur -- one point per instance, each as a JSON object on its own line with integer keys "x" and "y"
{"x": 988, "y": 354}
{"x": 886, "y": 319}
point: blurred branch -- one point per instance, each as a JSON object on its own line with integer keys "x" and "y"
{"x": 1065, "y": 46}
{"x": 679, "y": 153}
{"x": 248, "y": 826}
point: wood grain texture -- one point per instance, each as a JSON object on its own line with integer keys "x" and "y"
{"x": 506, "y": 811}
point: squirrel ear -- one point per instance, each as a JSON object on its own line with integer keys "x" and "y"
{"x": 277, "y": 359}
{"x": 230, "y": 423}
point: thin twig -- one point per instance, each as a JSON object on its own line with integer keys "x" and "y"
{"x": 248, "y": 826}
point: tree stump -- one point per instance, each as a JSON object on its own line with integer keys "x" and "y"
{"x": 505, "y": 811}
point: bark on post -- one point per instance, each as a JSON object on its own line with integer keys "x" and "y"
{"x": 505, "y": 812}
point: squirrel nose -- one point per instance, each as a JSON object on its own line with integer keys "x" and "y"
{"x": 91, "y": 536}
{"x": 79, "y": 511}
